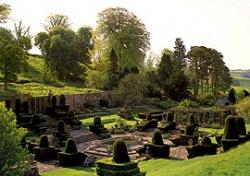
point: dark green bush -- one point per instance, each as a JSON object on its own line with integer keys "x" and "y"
{"x": 191, "y": 120}
{"x": 206, "y": 140}
{"x": 44, "y": 142}
{"x": 230, "y": 129}
{"x": 60, "y": 126}
{"x": 70, "y": 146}
{"x": 120, "y": 152}
{"x": 62, "y": 100}
{"x": 170, "y": 117}
{"x": 231, "y": 96}
{"x": 241, "y": 126}
{"x": 97, "y": 121}
{"x": 190, "y": 130}
{"x": 157, "y": 138}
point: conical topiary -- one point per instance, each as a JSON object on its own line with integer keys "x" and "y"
{"x": 97, "y": 121}
{"x": 230, "y": 129}
{"x": 44, "y": 142}
{"x": 157, "y": 138}
{"x": 70, "y": 146}
{"x": 231, "y": 96}
{"x": 206, "y": 140}
{"x": 120, "y": 152}
{"x": 241, "y": 126}
{"x": 60, "y": 126}
{"x": 191, "y": 120}
{"x": 170, "y": 117}
{"x": 190, "y": 130}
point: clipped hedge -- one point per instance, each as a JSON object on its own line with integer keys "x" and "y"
{"x": 120, "y": 152}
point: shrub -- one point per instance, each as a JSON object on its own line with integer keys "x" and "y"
{"x": 231, "y": 96}
{"x": 44, "y": 142}
{"x": 206, "y": 140}
{"x": 97, "y": 121}
{"x": 241, "y": 126}
{"x": 170, "y": 117}
{"x": 60, "y": 126}
{"x": 157, "y": 138}
{"x": 230, "y": 129}
{"x": 191, "y": 120}
{"x": 186, "y": 103}
{"x": 120, "y": 152}
{"x": 190, "y": 130}
{"x": 70, "y": 146}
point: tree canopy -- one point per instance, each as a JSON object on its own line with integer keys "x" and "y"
{"x": 4, "y": 12}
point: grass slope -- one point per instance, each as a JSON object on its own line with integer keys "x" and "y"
{"x": 234, "y": 162}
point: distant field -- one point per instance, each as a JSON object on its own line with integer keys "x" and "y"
{"x": 244, "y": 82}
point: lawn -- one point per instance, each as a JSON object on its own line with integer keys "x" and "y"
{"x": 234, "y": 162}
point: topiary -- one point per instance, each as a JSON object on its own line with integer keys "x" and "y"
{"x": 97, "y": 121}
{"x": 241, "y": 126}
{"x": 230, "y": 129}
{"x": 191, "y": 120}
{"x": 190, "y": 130}
{"x": 157, "y": 138}
{"x": 70, "y": 146}
{"x": 231, "y": 96}
{"x": 206, "y": 140}
{"x": 44, "y": 142}
{"x": 60, "y": 126}
{"x": 170, "y": 117}
{"x": 62, "y": 100}
{"x": 120, "y": 152}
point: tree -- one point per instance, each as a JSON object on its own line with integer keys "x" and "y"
{"x": 4, "y": 12}
{"x": 56, "y": 20}
{"x": 12, "y": 56}
{"x": 123, "y": 32}
{"x": 66, "y": 51}
{"x": 179, "y": 55}
{"x": 13, "y": 159}
{"x": 22, "y": 34}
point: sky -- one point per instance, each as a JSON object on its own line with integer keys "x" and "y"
{"x": 220, "y": 24}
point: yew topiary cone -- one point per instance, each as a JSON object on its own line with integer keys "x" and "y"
{"x": 71, "y": 146}
{"x": 60, "y": 126}
{"x": 120, "y": 152}
{"x": 44, "y": 142}
{"x": 231, "y": 130}
{"x": 157, "y": 138}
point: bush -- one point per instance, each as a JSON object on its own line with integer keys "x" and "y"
{"x": 190, "y": 130}
{"x": 120, "y": 152}
{"x": 157, "y": 138}
{"x": 241, "y": 126}
{"x": 44, "y": 142}
{"x": 12, "y": 155}
{"x": 230, "y": 129}
{"x": 231, "y": 96}
{"x": 70, "y": 146}
{"x": 186, "y": 103}
{"x": 206, "y": 140}
{"x": 170, "y": 117}
{"x": 60, "y": 126}
{"x": 97, "y": 121}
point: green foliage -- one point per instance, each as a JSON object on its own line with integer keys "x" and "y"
{"x": 60, "y": 126}
{"x": 231, "y": 96}
{"x": 157, "y": 138}
{"x": 120, "y": 152}
{"x": 56, "y": 20}
{"x": 122, "y": 31}
{"x": 243, "y": 107}
{"x": 166, "y": 104}
{"x": 230, "y": 129}
{"x": 179, "y": 55}
{"x": 186, "y": 103}
{"x": 70, "y": 146}
{"x": 12, "y": 156}
{"x": 133, "y": 88}
{"x": 44, "y": 142}
{"x": 4, "y": 12}
{"x": 12, "y": 57}
{"x": 97, "y": 121}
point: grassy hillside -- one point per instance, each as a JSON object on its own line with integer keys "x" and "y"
{"x": 31, "y": 81}
{"x": 238, "y": 78}
{"x": 234, "y": 162}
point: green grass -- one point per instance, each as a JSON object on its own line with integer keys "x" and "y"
{"x": 108, "y": 121}
{"x": 244, "y": 82}
{"x": 234, "y": 162}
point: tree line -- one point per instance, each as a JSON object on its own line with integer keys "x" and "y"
{"x": 106, "y": 56}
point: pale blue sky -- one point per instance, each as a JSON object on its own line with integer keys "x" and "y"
{"x": 220, "y": 24}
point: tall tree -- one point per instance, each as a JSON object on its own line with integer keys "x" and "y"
{"x": 22, "y": 34}
{"x": 122, "y": 31}
{"x": 4, "y": 12}
{"x": 12, "y": 56}
{"x": 66, "y": 51}
{"x": 56, "y": 20}
{"x": 179, "y": 56}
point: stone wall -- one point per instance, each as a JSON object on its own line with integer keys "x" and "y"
{"x": 39, "y": 104}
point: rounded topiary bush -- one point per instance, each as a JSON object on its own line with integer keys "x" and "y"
{"x": 97, "y": 121}
{"x": 190, "y": 130}
{"x": 60, "y": 126}
{"x": 206, "y": 140}
{"x": 70, "y": 146}
{"x": 241, "y": 126}
{"x": 157, "y": 138}
{"x": 230, "y": 129}
{"x": 44, "y": 142}
{"x": 120, "y": 152}
{"x": 191, "y": 120}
